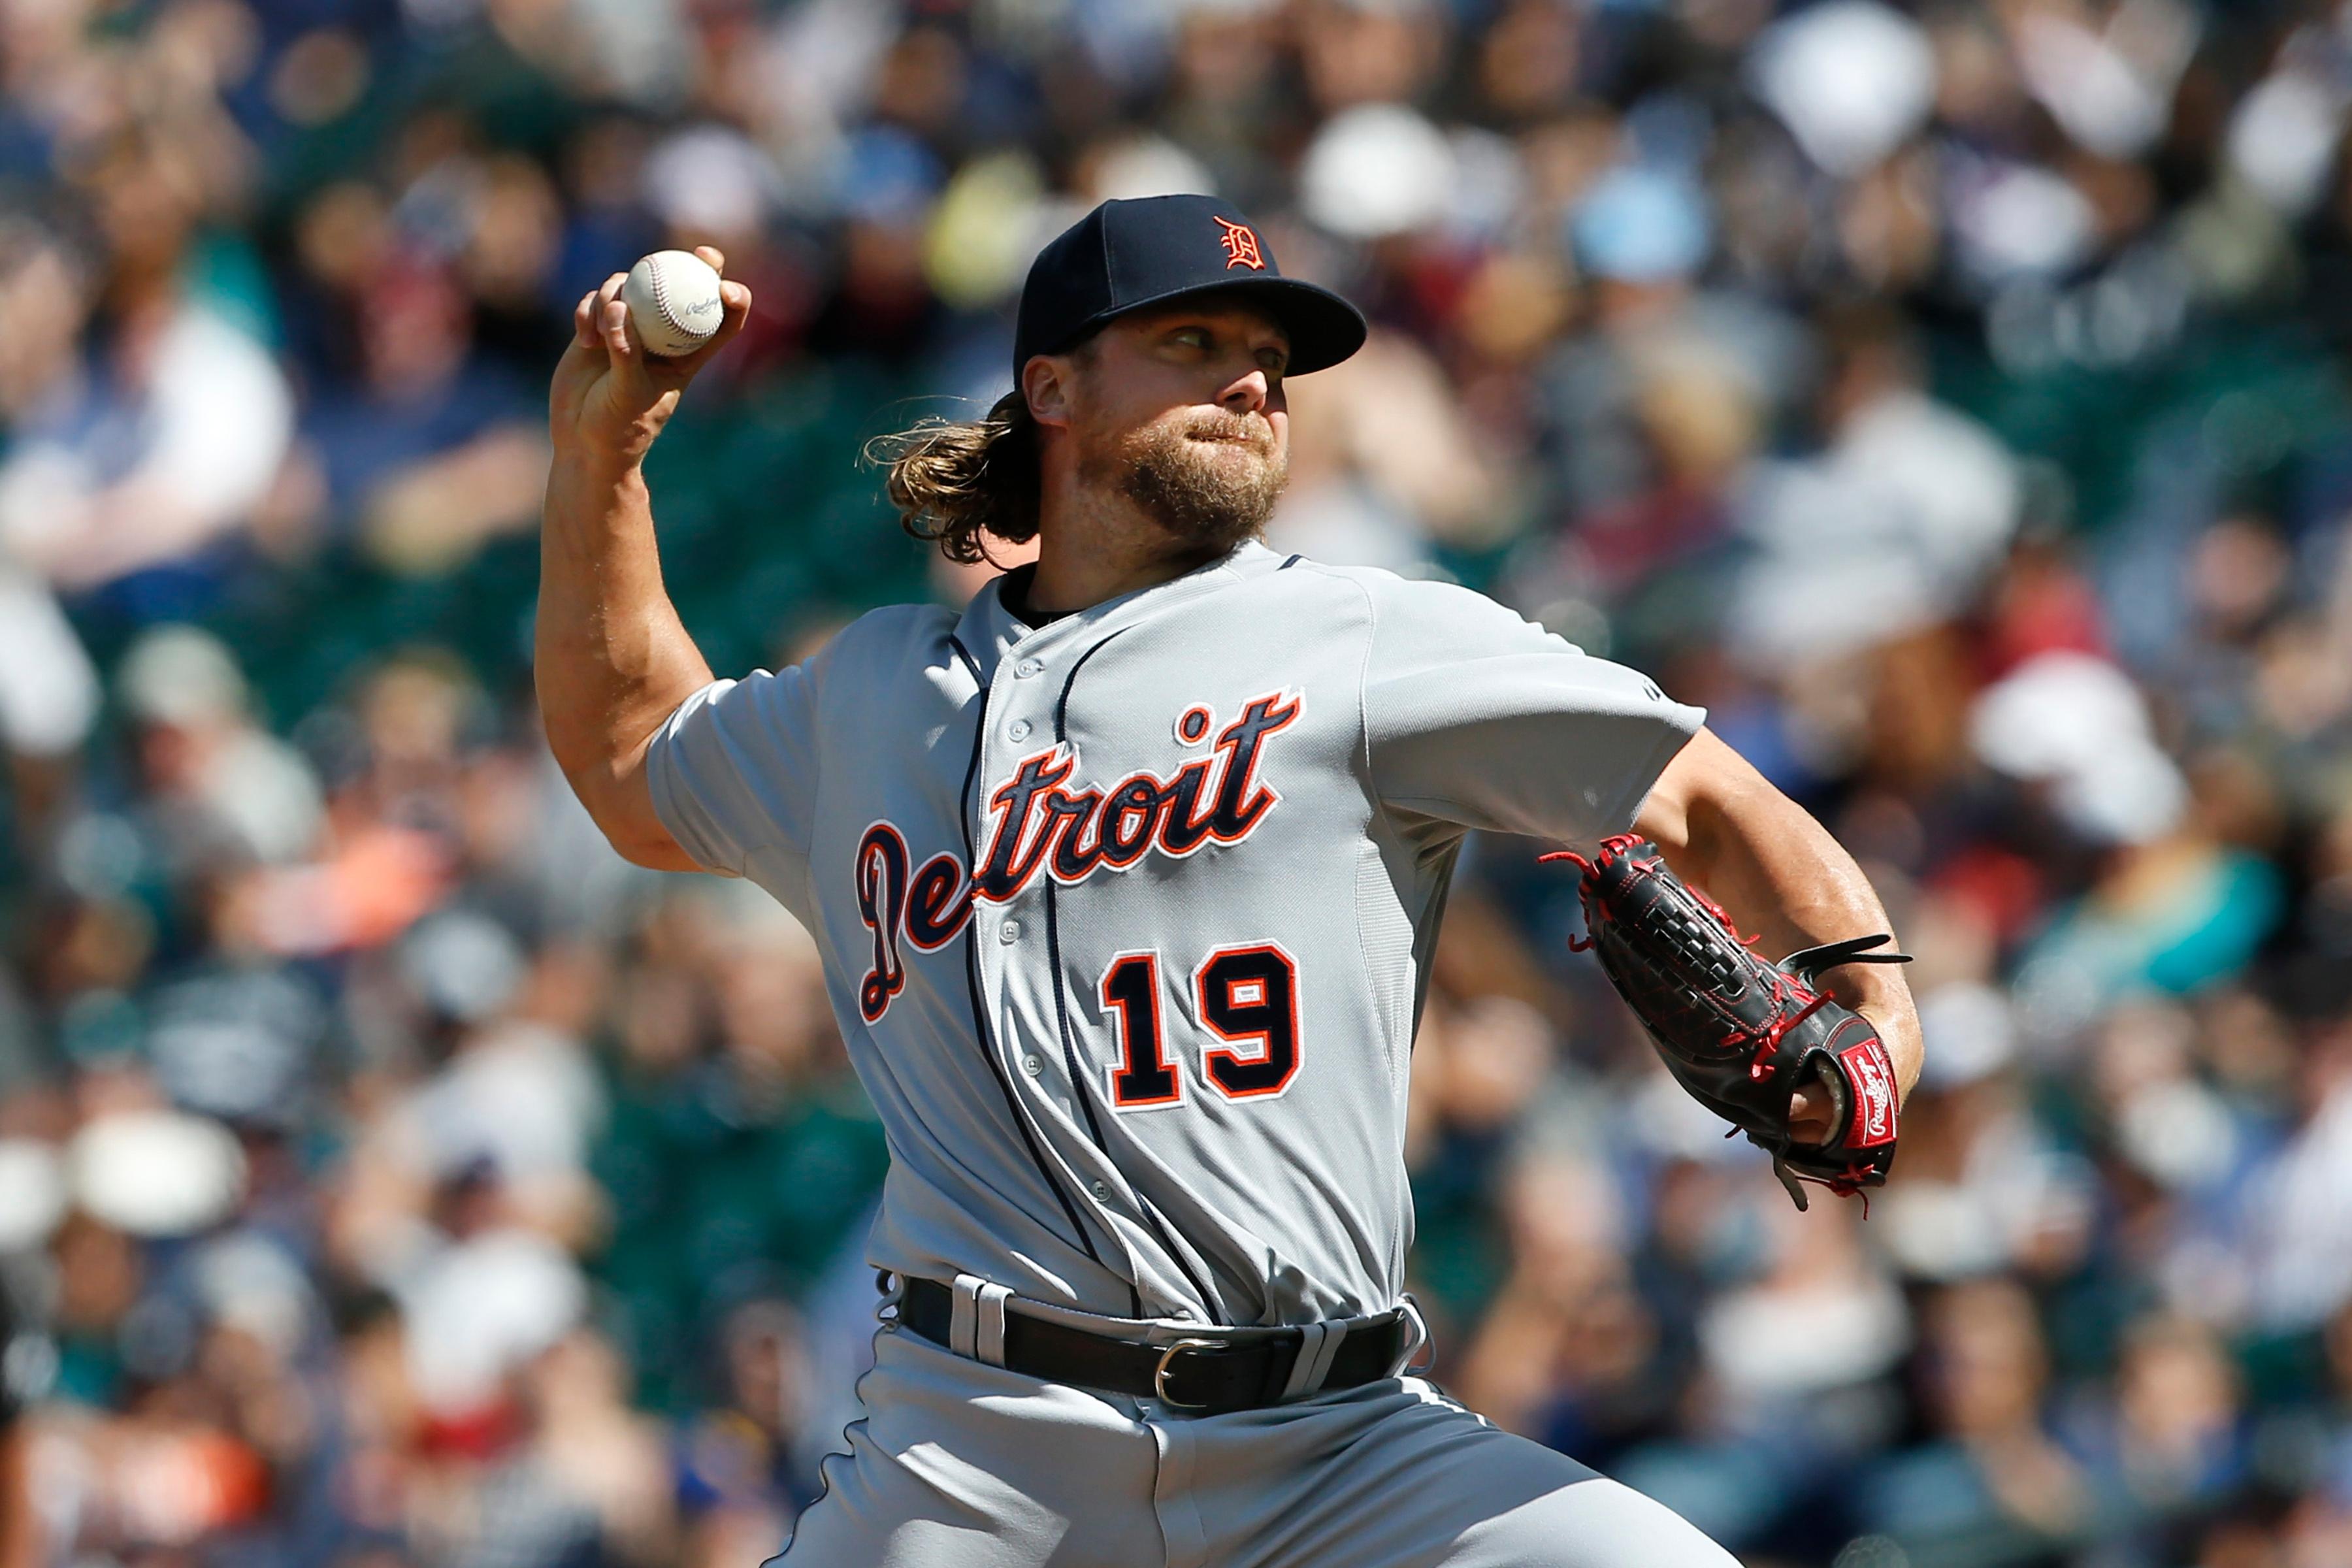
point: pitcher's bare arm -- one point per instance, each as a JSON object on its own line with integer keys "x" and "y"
{"x": 611, "y": 659}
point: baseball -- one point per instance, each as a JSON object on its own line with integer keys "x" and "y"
{"x": 673, "y": 298}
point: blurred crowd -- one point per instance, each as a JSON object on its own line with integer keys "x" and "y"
{"x": 1951, "y": 396}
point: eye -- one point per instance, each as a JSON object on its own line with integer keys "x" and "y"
{"x": 1273, "y": 360}
{"x": 1189, "y": 337}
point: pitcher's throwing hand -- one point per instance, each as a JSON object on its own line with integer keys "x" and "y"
{"x": 609, "y": 396}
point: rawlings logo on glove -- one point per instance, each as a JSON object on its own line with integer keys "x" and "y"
{"x": 1872, "y": 1075}
{"x": 1743, "y": 1034}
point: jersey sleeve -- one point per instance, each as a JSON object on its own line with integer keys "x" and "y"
{"x": 1477, "y": 718}
{"x": 733, "y": 776}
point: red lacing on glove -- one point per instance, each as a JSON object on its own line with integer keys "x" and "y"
{"x": 1722, "y": 914}
{"x": 1616, "y": 844}
{"x": 1852, "y": 1182}
{"x": 1766, "y": 1041}
{"x": 1609, "y": 848}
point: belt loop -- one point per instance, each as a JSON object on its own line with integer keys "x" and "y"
{"x": 987, "y": 1338}
{"x": 1315, "y": 1351}
{"x": 1421, "y": 1340}
{"x": 976, "y": 1319}
{"x": 963, "y": 1316}
{"x": 1302, "y": 1368}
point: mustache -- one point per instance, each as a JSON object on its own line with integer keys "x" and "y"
{"x": 1224, "y": 424}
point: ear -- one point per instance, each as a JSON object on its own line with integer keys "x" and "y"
{"x": 1047, "y": 381}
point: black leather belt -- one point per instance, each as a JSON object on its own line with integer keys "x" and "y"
{"x": 1202, "y": 1376}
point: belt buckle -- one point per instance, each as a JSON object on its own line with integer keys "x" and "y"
{"x": 1160, "y": 1373}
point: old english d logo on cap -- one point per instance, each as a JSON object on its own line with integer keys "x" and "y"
{"x": 1153, "y": 251}
{"x": 1240, "y": 246}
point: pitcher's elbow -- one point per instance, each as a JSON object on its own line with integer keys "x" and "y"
{"x": 620, "y": 803}
{"x": 655, "y": 850}
{"x": 639, "y": 837}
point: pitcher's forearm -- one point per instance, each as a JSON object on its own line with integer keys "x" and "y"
{"x": 1781, "y": 873}
{"x": 612, "y": 659}
{"x": 1781, "y": 876}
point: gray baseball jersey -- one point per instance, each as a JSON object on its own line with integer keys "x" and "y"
{"x": 1126, "y": 916}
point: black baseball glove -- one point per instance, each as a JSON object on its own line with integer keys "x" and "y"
{"x": 1742, "y": 1034}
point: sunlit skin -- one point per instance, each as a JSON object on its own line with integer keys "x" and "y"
{"x": 1200, "y": 380}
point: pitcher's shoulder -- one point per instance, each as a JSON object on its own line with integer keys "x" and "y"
{"x": 1386, "y": 596}
{"x": 894, "y": 649}
{"x": 892, "y": 635}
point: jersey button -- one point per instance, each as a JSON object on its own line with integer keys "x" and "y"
{"x": 1009, "y": 931}
{"x": 1102, "y": 1191}
{"x": 1025, "y": 668}
{"x": 1033, "y": 1065}
{"x": 1018, "y": 729}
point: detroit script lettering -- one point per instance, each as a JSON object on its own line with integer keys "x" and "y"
{"x": 1040, "y": 824}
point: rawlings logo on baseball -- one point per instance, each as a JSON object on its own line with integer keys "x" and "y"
{"x": 1068, "y": 833}
{"x": 674, "y": 302}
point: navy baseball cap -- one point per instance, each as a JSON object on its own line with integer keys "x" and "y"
{"x": 1126, "y": 254}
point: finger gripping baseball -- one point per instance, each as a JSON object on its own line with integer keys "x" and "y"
{"x": 1741, "y": 1033}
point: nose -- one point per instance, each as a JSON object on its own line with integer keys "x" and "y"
{"x": 1247, "y": 396}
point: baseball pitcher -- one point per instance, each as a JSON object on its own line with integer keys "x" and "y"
{"x": 1126, "y": 876}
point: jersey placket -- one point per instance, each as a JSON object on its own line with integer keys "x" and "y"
{"x": 1021, "y": 725}
{"x": 1013, "y": 959}
{"x": 1031, "y": 1008}
{"x": 1094, "y": 1106}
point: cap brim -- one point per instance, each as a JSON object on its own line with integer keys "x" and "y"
{"x": 1323, "y": 328}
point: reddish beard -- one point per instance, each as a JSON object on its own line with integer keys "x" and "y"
{"x": 1184, "y": 477}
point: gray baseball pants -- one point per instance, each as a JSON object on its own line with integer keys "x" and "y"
{"x": 958, "y": 1464}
